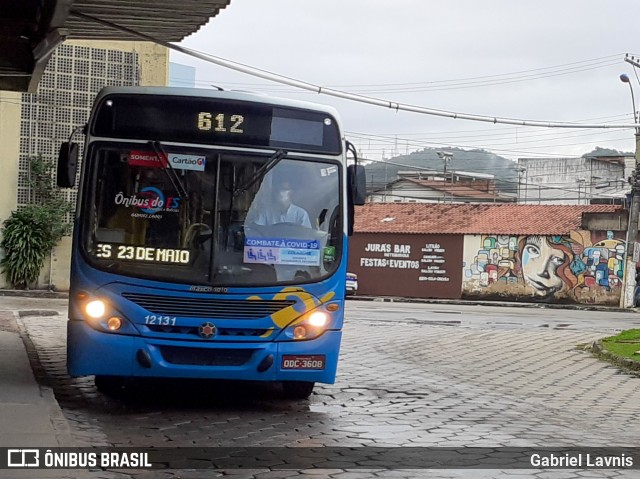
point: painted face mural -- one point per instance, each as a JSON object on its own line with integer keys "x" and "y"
{"x": 582, "y": 266}
{"x": 540, "y": 263}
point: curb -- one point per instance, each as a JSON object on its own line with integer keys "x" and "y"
{"x": 597, "y": 349}
{"x": 35, "y": 293}
{"x": 512, "y": 304}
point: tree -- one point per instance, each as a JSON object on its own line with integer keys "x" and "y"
{"x": 29, "y": 234}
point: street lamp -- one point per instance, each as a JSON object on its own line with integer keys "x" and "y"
{"x": 629, "y": 280}
{"x": 446, "y": 156}
{"x": 624, "y": 78}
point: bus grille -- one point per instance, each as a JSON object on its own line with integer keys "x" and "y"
{"x": 208, "y": 308}
{"x": 193, "y": 330}
{"x": 205, "y": 357}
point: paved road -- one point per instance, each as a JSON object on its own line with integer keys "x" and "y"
{"x": 410, "y": 375}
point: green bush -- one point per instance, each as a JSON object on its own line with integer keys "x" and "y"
{"x": 25, "y": 242}
{"x": 30, "y": 233}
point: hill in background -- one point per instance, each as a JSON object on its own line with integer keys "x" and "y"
{"x": 475, "y": 161}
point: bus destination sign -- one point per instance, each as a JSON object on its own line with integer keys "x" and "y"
{"x": 215, "y": 121}
{"x": 144, "y": 254}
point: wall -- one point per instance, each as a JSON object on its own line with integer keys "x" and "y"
{"x": 408, "y": 191}
{"x": 71, "y": 91}
{"x": 583, "y": 267}
{"x": 9, "y": 147}
{"x": 569, "y": 180}
{"x": 405, "y": 191}
{"x": 418, "y": 266}
{"x": 154, "y": 59}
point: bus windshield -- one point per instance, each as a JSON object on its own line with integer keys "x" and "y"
{"x": 203, "y": 216}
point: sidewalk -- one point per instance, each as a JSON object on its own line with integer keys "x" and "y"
{"x": 29, "y": 413}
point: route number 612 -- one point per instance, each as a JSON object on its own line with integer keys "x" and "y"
{"x": 221, "y": 122}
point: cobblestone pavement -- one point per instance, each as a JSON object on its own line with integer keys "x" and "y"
{"x": 401, "y": 383}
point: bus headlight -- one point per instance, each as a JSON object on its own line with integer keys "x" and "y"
{"x": 95, "y": 309}
{"x": 114, "y": 323}
{"x": 309, "y": 327}
{"x": 318, "y": 319}
{"x": 101, "y": 315}
{"x": 299, "y": 332}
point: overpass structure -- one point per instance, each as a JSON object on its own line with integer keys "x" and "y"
{"x": 30, "y": 30}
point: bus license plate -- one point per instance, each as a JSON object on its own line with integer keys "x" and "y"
{"x": 303, "y": 362}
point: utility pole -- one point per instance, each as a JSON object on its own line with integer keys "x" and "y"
{"x": 581, "y": 181}
{"x": 446, "y": 156}
{"x": 629, "y": 284}
{"x": 521, "y": 172}
{"x": 629, "y": 280}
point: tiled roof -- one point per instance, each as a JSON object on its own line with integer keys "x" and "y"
{"x": 477, "y": 218}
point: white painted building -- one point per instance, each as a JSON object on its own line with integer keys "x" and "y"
{"x": 573, "y": 181}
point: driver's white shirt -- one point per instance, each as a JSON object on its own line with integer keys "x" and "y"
{"x": 294, "y": 214}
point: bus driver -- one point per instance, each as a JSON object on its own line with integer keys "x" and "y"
{"x": 281, "y": 208}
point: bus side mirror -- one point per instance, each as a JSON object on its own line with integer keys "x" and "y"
{"x": 356, "y": 193}
{"x": 67, "y": 164}
{"x": 357, "y": 184}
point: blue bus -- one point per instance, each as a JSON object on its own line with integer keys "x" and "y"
{"x": 210, "y": 238}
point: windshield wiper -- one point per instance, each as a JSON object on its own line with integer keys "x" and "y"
{"x": 173, "y": 176}
{"x": 262, "y": 171}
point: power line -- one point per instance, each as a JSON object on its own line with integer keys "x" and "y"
{"x": 500, "y": 180}
{"x": 342, "y": 94}
{"x": 506, "y": 132}
{"x": 528, "y": 200}
{"x": 438, "y": 85}
{"x": 594, "y": 62}
{"x": 375, "y": 142}
{"x": 502, "y": 137}
{"x": 511, "y": 128}
{"x": 463, "y": 85}
{"x": 487, "y": 170}
{"x": 525, "y": 151}
{"x": 495, "y": 132}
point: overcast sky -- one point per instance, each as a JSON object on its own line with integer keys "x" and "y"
{"x": 553, "y": 60}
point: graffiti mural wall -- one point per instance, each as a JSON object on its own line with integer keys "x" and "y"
{"x": 583, "y": 267}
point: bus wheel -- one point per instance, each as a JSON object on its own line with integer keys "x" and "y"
{"x": 297, "y": 389}
{"x": 110, "y": 385}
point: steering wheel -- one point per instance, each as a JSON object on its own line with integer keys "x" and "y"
{"x": 288, "y": 223}
{"x": 201, "y": 231}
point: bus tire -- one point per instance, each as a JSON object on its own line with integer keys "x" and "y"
{"x": 297, "y": 389}
{"x": 112, "y": 386}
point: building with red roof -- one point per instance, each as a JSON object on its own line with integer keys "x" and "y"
{"x": 490, "y": 251}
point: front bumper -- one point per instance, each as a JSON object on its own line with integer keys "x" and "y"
{"x": 91, "y": 352}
